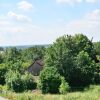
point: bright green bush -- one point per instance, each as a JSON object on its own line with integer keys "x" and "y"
{"x": 1, "y": 88}
{"x": 19, "y": 83}
{"x": 14, "y": 82}
{"x": 50, "y": 80}
{"x": 83, "y": 70}
{"x": 97, "y": 74}
{"x": 64, "y": 87}
{"x": 28, "y": 81}
{"x": 3, "y": 71}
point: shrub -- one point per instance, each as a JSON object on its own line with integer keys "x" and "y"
{"x": 97, "y": 74}
{"x": 1, "y": 88}
{"x": 3, "y": 71}
{"x": 15, "y": 66}
{"x": 19, "y": 83}
{"x": 28, "y": 81}
{"x": 50, "y": 80}
{"x": 64, "y": 87}
{"x": 74, "y": 57}
{"x": 83, "y": 71}
{"x": 97, "y": 78}
{"x": 14, "y": 82}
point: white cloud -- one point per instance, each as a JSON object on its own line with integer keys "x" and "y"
{"x": 18, "y": 17}
{"x": 92, "y": 1}
{"x": 25, "y": 5}
{"x": 72, "y": 2}
{"x": 13, "y": 28}
{"x": 89, "y": 25}
{"x": 94, "y": 15}
{"x": 14, "y": 32}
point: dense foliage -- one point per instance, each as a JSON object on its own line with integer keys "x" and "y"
{"x": 70, "y": 62}
{"x": 97, "y": 74}
{"x": 74, "y": 57}
{"x": 14, "y": 82}
{"x": 28, "y": 81}
{"x": 50, "y": 80}
{"x": 3, "y": 71}
{"x": 64, "y": 87}
{"x": 18, "y": 83}
{"x": 83, "y": 71}
{"x": 18, "y": 59}
{"x": 97, "y": 47}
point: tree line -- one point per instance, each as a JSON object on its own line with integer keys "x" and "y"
{"x": 71, "y": 62}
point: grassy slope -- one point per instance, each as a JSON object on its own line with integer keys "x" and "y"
{"x": 92, "y": 94}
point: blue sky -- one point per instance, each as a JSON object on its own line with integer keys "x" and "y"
{"x": 26, "y": 22}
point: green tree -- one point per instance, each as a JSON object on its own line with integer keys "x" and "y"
{"x": 12, "y": 55}
{"x": 97, "y": 47}
{"x": 3, "y": 71}
{"x": 14, "y": 81}
{"x": 97, "y": 74}
{"x": 28, "y": 81}
{"x": 83, "y": 71}
{"x": 63, "y": 53}
{"x": 64, "y": 87}
{"x": 60, "y": 55}
{"x": 32, "y": 53}
{"x": 1, "y": 58}
{"x": 82, "y": 43}
{"x": 19, "y": 82}
{"x": 50, "y": 80}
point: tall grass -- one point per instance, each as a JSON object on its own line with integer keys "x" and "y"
{"x": 93, "y": 93}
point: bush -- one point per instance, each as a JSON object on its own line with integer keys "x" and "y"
{"x": 64, "y": 87}
{"x": 74, "y": 57}
{"x": 97, "y": 74}
{"x": 28, "y": 81}
{"x": 15, "y": 66}
{"x": 14, "y": 82}
{"x": 97, "y": 78}
{"x": 1, "y": 88}
{"x": 83, "y": 71}
{"x": 3, "y": 71}
{"x": 19, "y": 83}
{"x": 50, "y": 80}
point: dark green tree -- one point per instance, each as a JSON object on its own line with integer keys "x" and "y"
{"x": 28, "y": 81}
{"x": 50, "y": 80}
{"x": 3, "y": 70}
{"x": 60, "y": 55}
{"x": 82, "y": 43}
{"x": 32, "y": 53}
{"x": 97, "y": 74}
{"x": 97, "y": 47}
{"x": 83, "y": 70}
{"x": 12, "y": 55}
{"x": 63, "y": 53}
{"x": 14, "y": 81}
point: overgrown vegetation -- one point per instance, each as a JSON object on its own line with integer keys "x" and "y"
{"x": 13, "y": 67}
{"x": 92, "y": 93}
{"x": 50, "y": 80}
{"x": 71, "y": 62}
{"x": 75, "y": 59}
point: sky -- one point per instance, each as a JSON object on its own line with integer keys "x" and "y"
{"x": 32, "y": 22}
